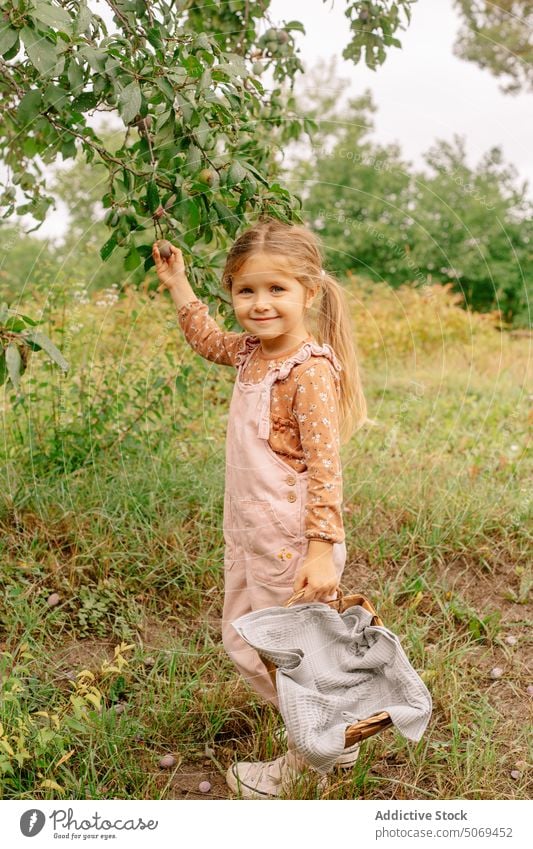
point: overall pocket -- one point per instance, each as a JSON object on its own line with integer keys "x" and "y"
{"x": 273, "y": 547}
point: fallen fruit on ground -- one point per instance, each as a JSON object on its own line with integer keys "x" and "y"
{"x": 167, "y": 761}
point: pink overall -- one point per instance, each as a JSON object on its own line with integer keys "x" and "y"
{"x": 264, "y": 518}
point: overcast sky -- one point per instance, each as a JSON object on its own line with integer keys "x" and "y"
{"x": 423, "y": 92}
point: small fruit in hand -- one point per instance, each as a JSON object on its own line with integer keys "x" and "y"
{"x": 165, "y": 249}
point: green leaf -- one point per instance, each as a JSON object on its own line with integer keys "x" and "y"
{"x": 202, "y": 42}
{"x": 205, "y": 82}
{"x": 148, "y": 264}
{"x": 27, "y": 320}
{"x": 41, "y": 52}
{"x": 128, "y": 179}
{"x": 14, "y": 364}
{"x": 4, "y": 312}
{"x": 56, "y": 96}
{"x": 190, "y": 213}
{"x": 133, "y": 259}
{"x": 256, "y": 173}
{"x": 227, "y": 218}
{"x": 75, "y": 76}
{"x": 30, "y": 147}
{"x": 129, "y": 102}
{"x": 83, "y": 19}
{"x": 164, "y": 86}
{"x": 8, "y": 37}
{"x": 236, "y": 173}
{"x": 152, "y": 196}
{"x": 29, "y": 106}
{"x": 234, "y": 65}
{"x": 194, "y": 157}
{"x": 96, "y": 57}
{"x": 178, "y": 74}
{"x": 40, "y": 339}
{"x": 154, "y": 37}
{"x": 202, "y": 132}
{"x": 107, "y": 249}
{"x": 15, "y": 324}
{"x": 85, "y": 101}
{"x": 3, "y": 367}
{"x": 295, "y": 25}
{"x": 52, "y": 16}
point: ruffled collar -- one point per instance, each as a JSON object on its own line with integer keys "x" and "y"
{"x": 308, "y": 349}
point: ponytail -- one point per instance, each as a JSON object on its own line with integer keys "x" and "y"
{"x": 334, "y": 328}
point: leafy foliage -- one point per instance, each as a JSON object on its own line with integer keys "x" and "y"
{"x": 197, "y": 156}
{"x": 17, "y": 339}
{"x": 498, "y": 36}
{"x": 377, "y": 215}
{"x": 181, "y": 79}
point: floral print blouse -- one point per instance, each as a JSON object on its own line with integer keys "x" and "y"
{"x": 304, "y": 424}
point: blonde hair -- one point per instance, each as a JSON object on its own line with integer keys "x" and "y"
{"x": 300, "y": 247}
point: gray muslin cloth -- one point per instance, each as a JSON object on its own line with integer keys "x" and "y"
{"x": 332, "y": 670}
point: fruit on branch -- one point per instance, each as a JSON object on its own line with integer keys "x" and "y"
{"x": 206, "y": 176}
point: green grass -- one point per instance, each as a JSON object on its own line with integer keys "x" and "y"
{"x": 437, "y": 505}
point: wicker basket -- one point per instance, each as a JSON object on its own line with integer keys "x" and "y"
{"x": 372, "y": 724}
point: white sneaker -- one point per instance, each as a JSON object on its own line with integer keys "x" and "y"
{"x": 268, "y": 779}
{"x": 346, "y": 761}
{"x": 349, "y": 757}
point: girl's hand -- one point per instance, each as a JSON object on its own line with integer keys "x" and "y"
{"x": 171, "y": 271}
{"x": 318, "y": 577}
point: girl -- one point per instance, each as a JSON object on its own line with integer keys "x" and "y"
{"x": 295, "y": 394}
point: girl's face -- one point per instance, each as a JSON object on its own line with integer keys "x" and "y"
{"x": 270, "y": 303}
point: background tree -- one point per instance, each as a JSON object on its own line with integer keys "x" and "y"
{"x": 20, "y": 257}
{"x": 498, "y": 36}
{"x": 384, "y": 219}
{"x": 474, "y": 226}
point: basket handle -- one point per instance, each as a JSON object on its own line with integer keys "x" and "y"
{"x": 341, "y": 602}
{"x": 299, "y": 594}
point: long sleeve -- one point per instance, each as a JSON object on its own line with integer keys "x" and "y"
{"x": 205, "y": 336}
{"x": 315, "y": 406}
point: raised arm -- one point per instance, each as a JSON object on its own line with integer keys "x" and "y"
{"x": 201, "y": 330}
{"x": 206, "y": 337}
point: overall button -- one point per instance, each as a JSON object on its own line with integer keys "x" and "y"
{"x": 291, "y": 480}
{"x": 291, "y": 496}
